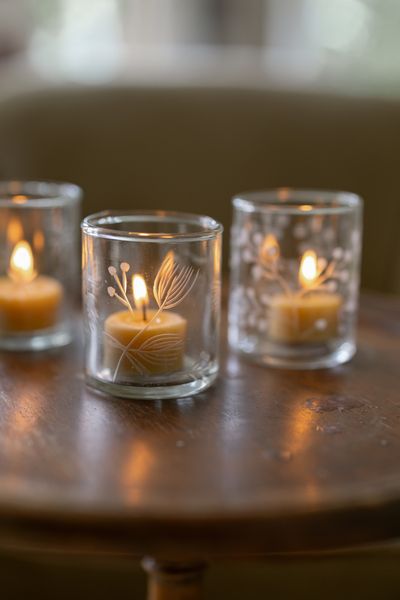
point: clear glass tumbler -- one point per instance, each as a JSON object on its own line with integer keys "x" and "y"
{"x": 39, "y": 263}
{"x": 295, "y": 265}
{"x": 151, "y": 291}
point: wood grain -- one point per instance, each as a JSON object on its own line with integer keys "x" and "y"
{"x": 266, "y": 460}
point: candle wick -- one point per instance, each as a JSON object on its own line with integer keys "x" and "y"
{"x": 144, "y": 311}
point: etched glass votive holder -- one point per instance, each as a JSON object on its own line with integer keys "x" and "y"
{"x": 151, "y": 290}
{"x": 39, "y": 263}
{"x": 295, "y": 262}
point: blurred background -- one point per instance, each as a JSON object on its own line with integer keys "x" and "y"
{"x": 180, "y": 104}
{"x": 350, "y": 44}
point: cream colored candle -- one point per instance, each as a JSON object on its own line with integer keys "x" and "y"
{"x": 310, "y": 315}
{"x": 28, "y": 302}
{"x": 310, "y": 318}
{"x": 144, "y": 341}
{"x": 155, "y": 345}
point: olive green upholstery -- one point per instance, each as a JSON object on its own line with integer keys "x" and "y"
{"x": 192, "y": 149}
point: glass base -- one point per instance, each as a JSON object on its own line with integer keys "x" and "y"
{"x": 35, "y": 341}
{"x": 153, "y": 392}
{"x": 302, "y": 357}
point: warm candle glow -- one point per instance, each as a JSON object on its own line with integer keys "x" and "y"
{"x": 19, "y": 199}
{"x": 308, "y": 269}
{"x": 270, "y": 248}
{"x": 21, "y": 263}
{"x": 14, "y": 231}
{"x": 38, "y": 240}
{"x": 140, "y": 294}
{"x": 283, "y": 194}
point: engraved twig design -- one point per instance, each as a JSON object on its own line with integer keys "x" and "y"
{"x": 270, "y": 263}
{"x": 112, "y": 292}
{"x": 172, "y": 285}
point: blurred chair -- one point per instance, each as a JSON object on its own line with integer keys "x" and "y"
{"x": 193, "y": 148}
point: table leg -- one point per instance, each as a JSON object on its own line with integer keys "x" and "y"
{"x": 168, "y": 580}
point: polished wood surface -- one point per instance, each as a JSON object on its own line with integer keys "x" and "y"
{"x": 266, "y": 460}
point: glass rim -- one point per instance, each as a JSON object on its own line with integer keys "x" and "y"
{"x": 47, "y": 194}
{"x": 296, "y": 201}
{"x": 96, "y": 225}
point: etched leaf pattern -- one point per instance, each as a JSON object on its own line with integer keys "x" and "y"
{"x": 262, "y": 269}
{"x": 326, "y": 272}
{"x": 172, "y": 285}
{"x": 162, "y": 348}
{"x": 268, "y": 271}
{"x": 272, "y": 270}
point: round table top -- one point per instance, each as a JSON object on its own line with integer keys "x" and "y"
{"x": 266, "y": 460}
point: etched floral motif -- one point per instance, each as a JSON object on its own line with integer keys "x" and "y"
{"x": 258, "y": 249}
{"x": 172, "y": 284}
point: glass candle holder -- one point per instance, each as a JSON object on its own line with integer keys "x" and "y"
{"x": 295, "y": 262}
{"x": 151, "y": 290}
{"x": 39, "y": 263}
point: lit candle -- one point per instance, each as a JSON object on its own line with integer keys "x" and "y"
{"x": 312, "y": 313}
{"x": 28, "y": 301}
{"x": 140, "y": 340}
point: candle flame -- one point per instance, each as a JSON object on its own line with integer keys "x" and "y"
{"x": 21, "y": 263}
{"x": 140, "y": 294}
{"x": 308, "y": 269}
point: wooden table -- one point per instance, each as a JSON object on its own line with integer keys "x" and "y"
{"x": 265, "y": 461}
